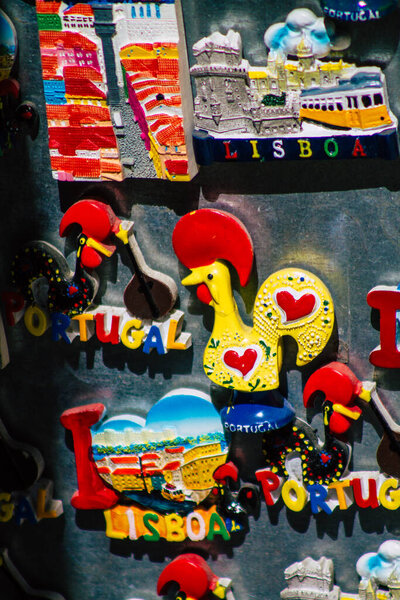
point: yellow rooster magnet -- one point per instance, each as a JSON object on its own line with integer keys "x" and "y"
{"x": 291, "y": 302}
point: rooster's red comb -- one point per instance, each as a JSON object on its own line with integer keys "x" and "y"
{"x": 191, "y": 573}
{"x": 336, "y": 381}
{"x": 97, "y": 219}
{"x": 208, "y": 234}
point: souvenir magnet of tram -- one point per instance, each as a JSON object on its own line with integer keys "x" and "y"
{"x": 300, "y": 104}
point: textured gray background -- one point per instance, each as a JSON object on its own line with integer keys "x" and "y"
{"x": 339, "y": 219}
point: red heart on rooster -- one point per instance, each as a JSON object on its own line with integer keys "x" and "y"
{"x": 243, "y": 363}
{"x": 325, "y": 457}
{"x": 295, "y": 308}
{"x": 72, "y": 290}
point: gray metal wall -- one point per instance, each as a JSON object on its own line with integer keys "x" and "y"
{"x": 340, "y": 219}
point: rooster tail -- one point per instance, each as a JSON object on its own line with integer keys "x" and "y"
{"x": 297, "y": 303}
{"x": 42, "y": 275}
{"x": 297, "y": 453}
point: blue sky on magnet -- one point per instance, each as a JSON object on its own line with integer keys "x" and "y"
{"x": 188, "y": 411}
{"x": 121, "y": 423}
{"x": 191, "y": 413}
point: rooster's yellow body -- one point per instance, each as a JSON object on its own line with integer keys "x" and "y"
{"x": 290, "y": 302}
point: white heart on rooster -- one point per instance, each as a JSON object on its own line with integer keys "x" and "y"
{"x": 242, "y": 361}
{"x": 295, "y": 305}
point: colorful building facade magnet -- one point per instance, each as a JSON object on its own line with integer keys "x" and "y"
{"x": 114, "y": 77}
{"x": 194, "y": 578}
{"x": 170, "y": 459}
{"x": 166, "y": 461}
{"x": 154, "y": 478}
{"x": 289, "y": 302}
{"x": 288, "y": 109}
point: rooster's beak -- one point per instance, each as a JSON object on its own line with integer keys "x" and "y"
{"x": 194, "y": 278}
{"x": 346, "y": 412}
{"x": 102, "y": 248}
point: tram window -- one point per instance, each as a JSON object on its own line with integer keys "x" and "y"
{"x": 311, "y": 105}
{"x": 331, "y": 107}
{"x": 323, "y": 107}
{"x": 353, "y": 102}
{"x": 339, "y": 106}
{"x": 304, "y": 105}
{"x": 317, "y": 106}
{"x": 366, "y": 100}
{"x": 378, "y": 99}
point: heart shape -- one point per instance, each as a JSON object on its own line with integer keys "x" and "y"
{"x": 295, "y": 308}
{"x": 325, "y": 458}
{"x": 243, "y": 363}
{"x": 72, "y": 290}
